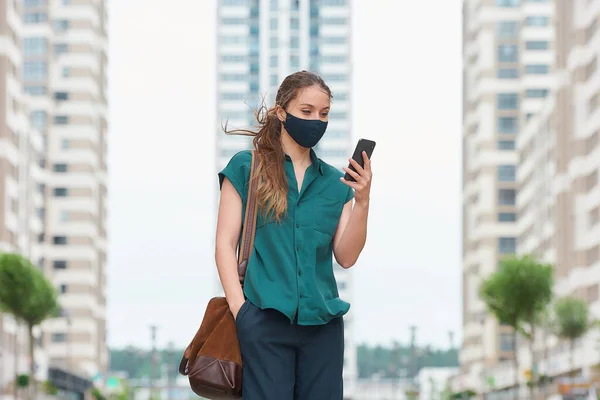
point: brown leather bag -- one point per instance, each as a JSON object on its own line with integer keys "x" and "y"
{"x": 212, "y": 361}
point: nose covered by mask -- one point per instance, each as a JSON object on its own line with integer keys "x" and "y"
{"x": 305, "y": 132}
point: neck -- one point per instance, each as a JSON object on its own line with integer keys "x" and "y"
{"x": 299, "y": 155}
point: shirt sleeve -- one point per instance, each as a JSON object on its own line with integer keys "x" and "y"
{"x": 237, "y": 171}
{"x": 349, "y": 195}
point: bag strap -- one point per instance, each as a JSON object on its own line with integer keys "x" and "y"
{"x": 249, "y": 227}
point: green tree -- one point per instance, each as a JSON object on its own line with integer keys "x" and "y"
{"x": 28, "y": 296}
{"x": 517, "y": 295}
{"x": 571, "y": 322}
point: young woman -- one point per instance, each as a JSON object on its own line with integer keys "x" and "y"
{"x": 289, "y": 316}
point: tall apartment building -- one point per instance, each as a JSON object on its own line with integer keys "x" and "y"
{"x": 509, "y": 56}
{"x": 259, "y": 43}
{"x": 559, "y": 193}
{"x": 54, "y": 187}
{"x": 21, "y": 182}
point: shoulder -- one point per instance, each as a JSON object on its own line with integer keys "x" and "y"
{"x": 237, "y": 170}
{"x": 330, "y": 172}
{"x": 335, "y": 188}
{"x": 241, "y": 159}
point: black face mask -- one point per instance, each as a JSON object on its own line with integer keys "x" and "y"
{"x": 305, "y": 132}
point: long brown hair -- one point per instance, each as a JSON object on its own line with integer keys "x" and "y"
{"x": 273, "y": 185}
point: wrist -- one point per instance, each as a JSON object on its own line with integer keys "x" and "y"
{"x": 362, "y": 204}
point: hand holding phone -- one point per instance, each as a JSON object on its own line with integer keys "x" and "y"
{"x": 365, "y": 145}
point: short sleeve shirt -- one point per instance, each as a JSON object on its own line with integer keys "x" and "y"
{"x": 291, "y": 265}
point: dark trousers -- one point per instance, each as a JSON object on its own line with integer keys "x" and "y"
{"x": 283, "y": 361}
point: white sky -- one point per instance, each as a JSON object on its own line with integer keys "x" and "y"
{"x": 407, "y": 97}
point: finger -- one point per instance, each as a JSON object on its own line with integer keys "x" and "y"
{"x": 367, "y": 161}
{"x": 352, "y": 173}
{"x": 357, "y": 166}
{"x": 353, "y": 185}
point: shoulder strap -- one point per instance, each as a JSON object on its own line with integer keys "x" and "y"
{"x": 249, "y": 228}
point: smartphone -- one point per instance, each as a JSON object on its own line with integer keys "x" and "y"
{"x": 363, "y": 145}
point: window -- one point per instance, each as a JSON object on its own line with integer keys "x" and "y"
{"x": 536, "y": 45}
{"x": 273, "y": 61}
{"x": 35, "y": 3}
{"x": 274, "y": 43}
{"x": 507, "y": 29}
{"x": 507, "y": 101}
{"x": 334, "y": 59}
{"x": 507, "y": 245}
{"x": 35, "y": 70}
{"x": 61, "y": 120}
{"x": 59, "y": 337}
{"x": 507, "y": 173}
{"x": 274, "y": 80}
{"x": 274, "y": 22}
{"x": 64, "y": 144}
{"x": 507, "y": 217}
{"x": 334, "y": 40}
{"x": 233, "y": 21}
{"x": 233, "y": 96}
{"x": 63, "y": 288}
{"x": 338, "y": 115}
{"x": 233, "y": 40}
{"x": 61, "y": 25}
{"x": 295, "y": 24}
{"x": 235, "y": 2}
{"x": 506, "y": 145}
{"x": 35, "y": 46}
{"x": 508, "y": 53}
{"x": 507, "y": 197}
{"x": 234, "y": 58}
{"x": 60, "y": 167}
{"x": 507, "y": 342}
{"x": 294, "y": 42}
{"x": 336, "y": 78}
{"x": 66, "y": 72}
{"x": 61, "y": 192}
{"x": 508, "y": 73}
{"x": 64, "y": 216}
{"x": 537, "y": 69}
{"x": 333, "y": 2}
{"x": 334, "y": 21}
{"x": 537, "y": 20}
{"x": 35, "y": 18}
{"x": 59, "y": 264}
{"x": 61, "y": 48}
{"x": 59, "y": 240}
{"x": 38, "y": 119}
{"x": 294, "y": 62}
{"x": 35, "y": 90}
{"x": 536, "y": 93}
{"x": 61, "y": 96}
{"x": 507, "y": 124}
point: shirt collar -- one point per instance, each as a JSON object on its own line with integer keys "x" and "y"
{"x": 314, "y": 159}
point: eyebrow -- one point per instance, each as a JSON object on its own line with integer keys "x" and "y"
{"x": 310, "y": 105}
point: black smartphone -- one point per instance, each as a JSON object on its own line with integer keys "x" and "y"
{"x": 365, "y": 145}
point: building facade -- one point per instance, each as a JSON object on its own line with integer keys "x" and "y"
{"x": 21, "y": 183}
{"x": 53, "y": 58}
{"x": 509, "y": 53}
{"x": 259, "y": 43}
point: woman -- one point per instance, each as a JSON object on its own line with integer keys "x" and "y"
{"x": 289, "y": 315}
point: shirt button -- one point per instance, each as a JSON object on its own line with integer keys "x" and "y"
{"x": 301, "y": 296}
{"x": 297, "y": 225}
{"x": 300, "y": 273}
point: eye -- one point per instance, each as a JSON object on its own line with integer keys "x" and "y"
{"x": 324, "y": 114}
{"x": 306, "y": 111}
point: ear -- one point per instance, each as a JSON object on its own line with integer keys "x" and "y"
{"x": 281, "y": 114}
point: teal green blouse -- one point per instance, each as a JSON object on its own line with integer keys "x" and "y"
{"x": 291, "y": 264}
